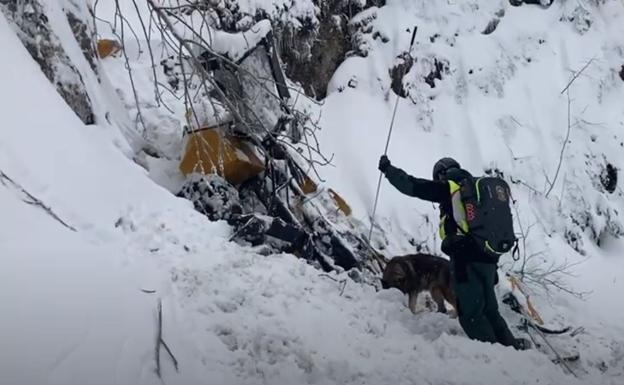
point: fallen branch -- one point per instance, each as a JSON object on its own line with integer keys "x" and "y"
{"x": 32, "y": 200}
{"x": 158, "y": 338}
{"x": 328, "y": 276}
{"x": 342, "y": 282}
{"x": 160, "y": 342}
{"x": 576, "y": 75}
{"x": 344, "y": 286}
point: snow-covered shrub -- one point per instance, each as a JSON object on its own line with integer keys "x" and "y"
{"x": 590, "y": 213}
{"x": 581, "y": 18}
{"x": 404, "y": 63}
{"x": 609, "y": 178}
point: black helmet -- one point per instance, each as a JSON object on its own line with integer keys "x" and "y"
{"x": 442, "y": 166}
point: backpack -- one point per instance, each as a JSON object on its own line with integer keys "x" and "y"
{"x": 482, "y": 210}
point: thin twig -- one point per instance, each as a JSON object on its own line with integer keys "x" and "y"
{"x": 344, "y": 286}
{"x": 563, "y": 148}
{"x": 528, "y": 186}
{"x": 328, "y": 276}
{"x": 161, "y": 342}
{"x": 158, "y": 338}
{"x": 175, "y": 361}
{"x": 524, "y": 235}
{"x": 151, "y": 52}
{"x": 565, "y": 142}
{"x": 32, "y": 200}
{"x": 551, "y": 276}
{"x": 576, "y": 75}
{"x": 119, "y": 14}
{"x": 342, "y": 282}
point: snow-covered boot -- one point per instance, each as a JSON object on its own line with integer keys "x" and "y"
{"x": 522, "y": 344}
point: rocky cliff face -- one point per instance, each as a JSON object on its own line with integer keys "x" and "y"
{"x": 30, "y": 21}
{"x": 313, "y": 36}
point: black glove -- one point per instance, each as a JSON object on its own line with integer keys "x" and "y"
{"x": 384, "y": 163}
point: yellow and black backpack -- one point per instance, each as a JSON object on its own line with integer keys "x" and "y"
{"x": 482, "y": 210}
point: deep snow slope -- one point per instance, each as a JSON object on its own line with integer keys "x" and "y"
{"x": 498, "y": 105}
{"x": 79, "y": 307}
{"x": 71, "y": 314}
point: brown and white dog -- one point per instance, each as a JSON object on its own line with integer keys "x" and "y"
{"x": 415, "y": 273}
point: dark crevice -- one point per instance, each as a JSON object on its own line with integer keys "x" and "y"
{"x": 439, "y": 68}
{"x": 517, "y": 3}
{"x": 609, "y": 177}
{"x": 398, "y": 72}
{"x": 491, "y": 27}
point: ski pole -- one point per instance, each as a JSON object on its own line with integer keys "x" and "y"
{"x": 560, "y": 359}
{"x": 530, "y": 323}
{"x": 396, "y": 104}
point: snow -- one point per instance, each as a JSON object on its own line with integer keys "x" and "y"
{"x": 236, "y": 45}
{"x": 498, "y": 106}
{"x": 69, "y": 315}
{"x": 80, "y": 307}
{"x": 506, "y": 108}
{"x": 284, "y": 322}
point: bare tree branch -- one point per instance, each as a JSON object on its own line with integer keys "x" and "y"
{"x": 550, "y": 276}
{"x": 576, "y": 75}
{"x": 563, "y": 148}
{"x": 151, "y": 52}
{"x": 119, "y": 14}
{"x": 569, "y": 127}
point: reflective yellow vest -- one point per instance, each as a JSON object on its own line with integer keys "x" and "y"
{"x": 459, "y": 212}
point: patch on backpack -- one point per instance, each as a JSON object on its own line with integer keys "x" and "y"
{"x": 501, "y": 194}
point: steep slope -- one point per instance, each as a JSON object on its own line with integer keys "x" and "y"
{"x": 74, "y": 310}
{"x": 494, "y": 102}
{"x": 497, "y": 104}
{"x": 72, "y": 315}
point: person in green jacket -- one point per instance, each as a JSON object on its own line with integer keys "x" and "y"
{"x": 474, "y": 274}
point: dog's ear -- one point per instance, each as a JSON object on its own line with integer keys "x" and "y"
{"x": 398, "y": 271}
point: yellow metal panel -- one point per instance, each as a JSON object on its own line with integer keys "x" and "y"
{"x": 210, "y": 151}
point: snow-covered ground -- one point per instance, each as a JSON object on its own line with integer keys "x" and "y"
{"x": 498, "y": 105}
{"x": 79, "y": 307}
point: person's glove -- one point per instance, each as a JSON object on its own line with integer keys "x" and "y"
{"x": 384, "y": 163}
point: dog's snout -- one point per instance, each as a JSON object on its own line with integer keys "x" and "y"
{"x": 384, "y": 284}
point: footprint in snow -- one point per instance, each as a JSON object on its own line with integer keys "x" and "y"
{"x": 227, "y": 306}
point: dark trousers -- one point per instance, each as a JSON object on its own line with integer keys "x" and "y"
{"x": 478, "y": 314}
